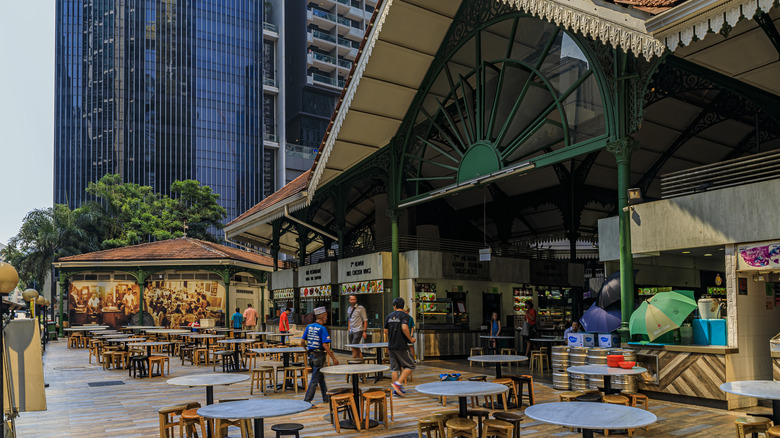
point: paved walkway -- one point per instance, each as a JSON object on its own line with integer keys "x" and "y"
{"x": 129, "y": 409}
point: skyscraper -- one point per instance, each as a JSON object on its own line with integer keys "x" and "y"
{"x": 159, "y": 90}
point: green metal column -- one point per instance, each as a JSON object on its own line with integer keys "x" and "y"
{"x": 622, "y": 150}
{"x": 394, "y": 213}
{"x": 277, "y": 226}
{"x": 262, "y": 307}
{"x": 63, "y": 280}
{"x": 303, "y": 242}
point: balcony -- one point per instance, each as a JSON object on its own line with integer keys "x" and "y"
{"x": 322, "y": 61}
{"x": 343, "y": 63}
{"x": 345, "y": 42}
{"x": 271, "y": 29}
{"x": 322, "y": 19}
{"x": 270, "y": 82}
{"x": 270, "y": 137}
{"x": 318, "y": 79}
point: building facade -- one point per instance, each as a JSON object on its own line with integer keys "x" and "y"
{"x": 159, "y": 90}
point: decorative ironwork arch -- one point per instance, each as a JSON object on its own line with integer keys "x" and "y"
{"x": 509, "y": 90}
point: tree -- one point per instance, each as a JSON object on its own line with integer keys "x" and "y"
{"x": 198, "y": 206}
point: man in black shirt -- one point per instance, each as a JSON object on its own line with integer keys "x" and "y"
{"x": 398, "y": 338}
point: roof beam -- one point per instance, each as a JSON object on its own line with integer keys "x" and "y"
{"x": 768, "y": 26}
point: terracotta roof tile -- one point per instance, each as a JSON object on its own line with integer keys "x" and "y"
{"x": 183, "y": 248}
{"x": 295, "y": 186}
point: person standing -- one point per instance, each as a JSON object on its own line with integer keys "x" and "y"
{"x": 284, "y": 321}
{"x": 358, "y": 325}
{"x": 250, "y": 317}
{"x": 398, "y": 340}
{"x": 316, "y": 340}
{"x": 237, "y": 319}
{"x": 530, "y": 321}
{"x": 495, "y": 330}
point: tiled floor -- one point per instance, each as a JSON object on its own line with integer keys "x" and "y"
{"x": 76, "y": 409}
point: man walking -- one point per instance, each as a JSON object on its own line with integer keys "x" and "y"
{"x": 250, "y": 317}
{"x": 316, "y": 340}
{"x": 398, "y": 338}
{"x": 358, "y": 325}
{"x": 237, "y": 319}
{"x": 284, "y": 321}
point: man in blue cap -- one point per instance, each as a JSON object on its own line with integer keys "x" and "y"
{"x": 316, "y": 340}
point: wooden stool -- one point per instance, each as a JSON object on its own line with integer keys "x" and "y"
{"x": 108, "y": 359}
{"x": 287, "y": 429}
{"x": 616, "y": 400}
{"x": 137, "y": 366}
{"x": 747, "y": 425}
{"x": 74, "y": 340}
{"x": 201, "y": 352}
{"x": 477, "y": 351}
{"x": 514, "y": 419}
{"x": 479, "y": 414}
{"x": 293, "y": 374}
{"x": 433, "y": 423}
{"x": 379, "y": 401}
{"x": 508, "y": 382}
{"x": 475, "y": 400}
{"x": 773, "y": 431}
{"x": 249, "y": 359}
{"x": 95, "y": 350}
{"x": 226, "y": 357}
{"x": 569, "y": 396}
{"x": 461, "y": 427}
{"x": 120, "y": 359}
{"x": 499, "y": 428}
{"x": 190, "y": 418}
{"x": 638, "y": 400}
{"x": 588, "y": 397}
{"x": 509, "y": 351}
{"x": 160, "y": 361}
{"x": 259, "y": 375}
{"x": 539, "y": 357}
{"x": 170, "y": 417}
{"x": 528, "y": 381}
{"x": 389, "y": 393}
{"x": 344, "y": 403}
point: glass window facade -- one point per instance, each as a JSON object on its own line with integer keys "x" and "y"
{"x": 160, "y": 90}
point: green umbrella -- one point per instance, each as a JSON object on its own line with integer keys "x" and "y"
{"x": 662, "y": 313}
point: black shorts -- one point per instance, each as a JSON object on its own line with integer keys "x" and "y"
{"x": 355, "y": 337}
{"x": 401, "y": 360}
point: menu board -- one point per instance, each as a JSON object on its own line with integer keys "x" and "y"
{"x": 284, "y": 294}
{"x": 521, "y": 296}
{"x": 314, "y": 292}
{"x": 363, "y": 287}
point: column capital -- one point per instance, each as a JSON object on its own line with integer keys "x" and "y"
{"x": 623, "y": 148}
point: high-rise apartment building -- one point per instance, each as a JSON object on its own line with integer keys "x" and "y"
{"x": 159, "y": 90}
{"x": 322, "y": 38}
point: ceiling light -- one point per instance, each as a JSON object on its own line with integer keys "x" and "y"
{"x": 686, "y": 252}
{"x": 707, "y": 255}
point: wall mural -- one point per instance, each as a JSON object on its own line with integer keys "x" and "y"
{"x": 171, "y": 303}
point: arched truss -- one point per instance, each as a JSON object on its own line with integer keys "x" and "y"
{"x": 515, "y": 89}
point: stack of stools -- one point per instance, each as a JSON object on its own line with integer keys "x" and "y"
{"x": 462, "y": 427}
{"x": 170, "y": 417}
{"x": 291, "y": 429}
{"x": 344, "y": 403}
{"x": 513, "y": 419}
{"x": 476, "y": 351}
{"x": 379, "y": 401}
{"x": 746, "y": 425}
{"x": 475, "y": 400}
{"x": 434, "y": 423}
{"x": 499, "y": 428}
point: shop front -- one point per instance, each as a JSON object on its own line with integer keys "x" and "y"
{"x": 284, "y": 285}
{"x": 316, "y": 286}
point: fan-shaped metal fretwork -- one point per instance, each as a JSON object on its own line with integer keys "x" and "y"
{"x": 515, "y": 90}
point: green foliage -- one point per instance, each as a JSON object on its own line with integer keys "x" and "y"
{"x": 123, "y": 214}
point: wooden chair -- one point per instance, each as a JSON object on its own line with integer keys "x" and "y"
{"x": 160, "y": 361}
{"x": 433, "y": 423}
{"x": 377, "y": 399}
{"x": 344, "y": 403}
{"x": 746, "y": 425}
{"x": 461, "y": 427}
{"x": 499, "y": 428}
{"x": 170, "y": 417}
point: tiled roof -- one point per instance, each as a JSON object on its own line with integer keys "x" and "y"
{"x": 295, "y": 186}
{"x": 183, "y": 248}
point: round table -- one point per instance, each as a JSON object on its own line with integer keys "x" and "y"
{"x": 233, "y": 343}
{"x": 606, "y": 371}
{"x": 84, "y": 329}
{"x": 255, "y": 409}
{"x": 107, "y": 337}
{"x": 461, "y": 389}
{"x": 353, "y": 370}
{"x": 209, "y": 380}
{"x": 125, "y": 339}
{"x": 490, "y": 337}
{"x": 498, "y": 359}
{"x": 763, "y": 389}
{"x": 168, "y": 331}
{"x": 376, "y": 345}
{"x": 142, "y": 327}
{"x": 590, "y": 416}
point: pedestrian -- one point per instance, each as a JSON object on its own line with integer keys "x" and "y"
{"x": 530, "y": 322}
{"x": 358, "y": 325}
{"x": 495, "y": 330}
{"x": 284, "y": 321}
{"x": 316, "y": 340}
{"x": 398, "y": 340}
{"x": 250, "y": 317}
{"x": 237, "y": 319}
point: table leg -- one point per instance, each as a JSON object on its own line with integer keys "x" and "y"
{"x": 462, "y": 407}
{"x": 259, "y": 428}
{"x": 209, "y": 395}
{"x": 380, "y": 374}
{"x": 349, "y": 424}
{"x": 607, "y": 385}
{"x": 498, "y": 370}
{"x": 587, "y": 433}
{"x": 776, "y": 411}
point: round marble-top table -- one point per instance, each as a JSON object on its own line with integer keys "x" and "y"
{"x": 142, "y": 327}
{"x": 168, "y": 331}
{"x": 111, "y": 336}
{"x": 255, "y": 409}
{"x": 354, "y": 370}
{"x": 763, "y": 389}
{"x": 378, "y": 346}
{"x": 494, "y": 347}
{"x": 84, "y": 329}
{"x": 461, "y": 389}
{"x": 125, "y": 339}
{"x": 606, "y": 371}
{"x": 590, "y": 416}
{"x": 209, "y": 380}
{"x": 498, "y": 359}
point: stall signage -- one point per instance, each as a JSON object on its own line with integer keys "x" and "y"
{"x": 316, "y": 275}
{"x": 465, "y": 267}
{"x": 362, "y": 268}
{"x": 283, "y": 279}
{"x": 363, "y": 287}
{"x": 763, "y": 256}
{"x": 549, "y": 272}
{"x": 313, "y": 292}
{"x": 284, "y": 294}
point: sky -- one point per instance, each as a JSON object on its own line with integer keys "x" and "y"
{"x": 26, "y": 110}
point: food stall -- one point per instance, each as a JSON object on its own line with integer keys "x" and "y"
{"x": 315, "y": 285}
{"x": 283, "y": 294}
